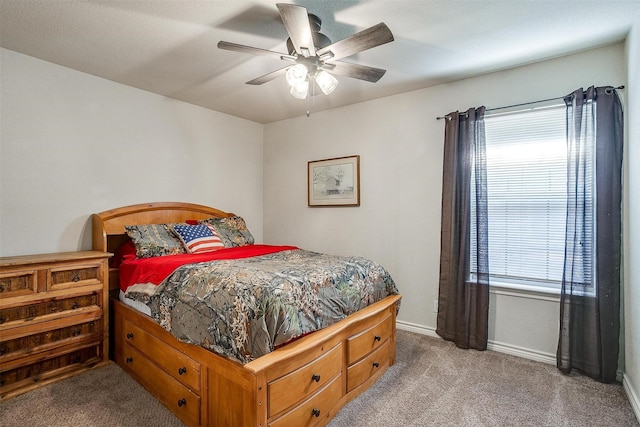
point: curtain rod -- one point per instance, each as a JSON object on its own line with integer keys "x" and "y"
{"x": 525, "y": 103}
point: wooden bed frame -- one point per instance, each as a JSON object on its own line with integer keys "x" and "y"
{"x": 304, "y": 383}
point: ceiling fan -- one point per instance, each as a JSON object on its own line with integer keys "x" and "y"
{"x": 312, "y": 55}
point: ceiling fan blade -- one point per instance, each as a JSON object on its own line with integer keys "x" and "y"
{"x": 268, "y": 77}
{"x": 251, "y": 50}
{"x": 296, "y": 21}
{"x": 356, "y": 71}
{"x": 366, "y": 39}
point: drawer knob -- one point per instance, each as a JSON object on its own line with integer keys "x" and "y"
{"x": 75, "y": 278}
{"x": 1, "y": 288}
{"x": 377, "y": 338}
{"x": 76, "y": 332}
{"x": 182, "y": 370}
{"x": 182, "y": 402}
{"x": 129, "y": 360}
{"x": 75, "y": 305}
{"x": 315, "y": 377}
{"x": 2, "y": 319}
{"x": 376, "y": 365}
{"x": 130, "y": 335}
{"x": 315, "y": 412}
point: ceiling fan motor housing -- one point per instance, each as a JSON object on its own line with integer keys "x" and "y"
{"x": 319, "y": 39}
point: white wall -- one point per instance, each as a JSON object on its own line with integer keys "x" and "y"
{"x": 398, "y": 223}
{"x": 74, "y": 144}
{"x": 631, "y": 379}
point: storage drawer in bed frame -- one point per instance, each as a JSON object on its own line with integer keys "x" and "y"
{"x": 303, "y": 383}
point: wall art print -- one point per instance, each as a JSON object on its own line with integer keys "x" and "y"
{"x": 334, "y": 182}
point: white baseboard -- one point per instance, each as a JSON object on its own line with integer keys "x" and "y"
{"x": 632, "y": 395}
{"x": 527, "y": 353}
{"x": 418, "y": 329}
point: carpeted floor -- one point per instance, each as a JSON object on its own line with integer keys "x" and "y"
{"x": 432, "y": 383}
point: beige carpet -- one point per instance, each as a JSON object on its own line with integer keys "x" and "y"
{"x": 433, "y": 383}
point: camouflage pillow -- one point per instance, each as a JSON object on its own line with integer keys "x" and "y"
{"x": 154, "y": 240}
{"x": 233, "y": 231}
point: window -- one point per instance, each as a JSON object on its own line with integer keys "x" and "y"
{"x": 527, "y": 198}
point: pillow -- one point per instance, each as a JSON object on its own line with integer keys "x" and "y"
{"x": 233, "y": 231}
{"x": 127, "y": 250}
{"x": 154, "y": 240}
{"x": 198, "y": 238}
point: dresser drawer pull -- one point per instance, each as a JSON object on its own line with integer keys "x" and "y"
{"x": 377, "y": 338}
{"x": 75, "y": 278}
{"x": 3, "y": 350}
{"x": 75, "y": 305}
{"x": 130, "y": 335}
{"x": 376, "y": 365}
{"x": 182, "y": 370}
{"x": 1, "y": 288}
{"x": 315, "y": 377}
{"x": 182, "y": 402}
{"x": 76, "y": 332}
{"x": 2, "y": 319}
{"x": 315, "y": 412}
{"x": 129, "y": 360}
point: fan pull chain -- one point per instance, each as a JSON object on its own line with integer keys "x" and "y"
{"x": 310, "y": 99}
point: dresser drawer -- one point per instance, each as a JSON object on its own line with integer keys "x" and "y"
{"x": 46, "y": 366}
{"x": 178, "y": 398}
{"x": 30, "y": 312}
{"x": 51, "y": 338}
{"x": 176, "y": 364}
{"x": 18, "y": 283}
{"x": 76, "y": 275}
{"x": 315, "y": 410}
{"x": 363, "y": 343}
{"x": 301, "y": 383}
{"x": 366, "y": 368}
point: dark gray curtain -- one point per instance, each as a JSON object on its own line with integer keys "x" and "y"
{"x": 590, "y": 298}
{"x": 463, "y": 300}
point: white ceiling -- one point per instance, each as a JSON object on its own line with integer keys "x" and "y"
{"x": 169, "y": 46}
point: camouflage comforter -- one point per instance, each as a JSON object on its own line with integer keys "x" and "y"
{"x": 245, "y": 308}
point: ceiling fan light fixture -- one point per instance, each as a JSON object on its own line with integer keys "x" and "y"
{"x": 300, "y": 90}
{"x": 326, "y": 82}
{"x": 296, "y": 75}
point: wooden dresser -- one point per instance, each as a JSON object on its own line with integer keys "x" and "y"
{"x": 53, "y": 318}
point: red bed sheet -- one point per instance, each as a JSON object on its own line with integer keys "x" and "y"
{"x": 155, "y": 270}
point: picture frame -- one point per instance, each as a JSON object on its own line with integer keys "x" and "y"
{"x": 334, "y": 182}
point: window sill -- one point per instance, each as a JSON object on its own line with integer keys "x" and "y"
{"x": 525, "y": 291}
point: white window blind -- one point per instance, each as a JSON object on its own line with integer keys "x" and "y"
{"x": 527, "y": 196}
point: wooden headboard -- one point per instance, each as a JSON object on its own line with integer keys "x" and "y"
{"x": 108, "y": 227}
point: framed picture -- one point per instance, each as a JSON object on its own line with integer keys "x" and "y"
{"x": 334, "y": 182}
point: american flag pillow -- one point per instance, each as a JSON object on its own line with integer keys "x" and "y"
{"x": 198, "y": 238}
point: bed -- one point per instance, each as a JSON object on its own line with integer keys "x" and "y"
{"x": 302, "y": 380}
